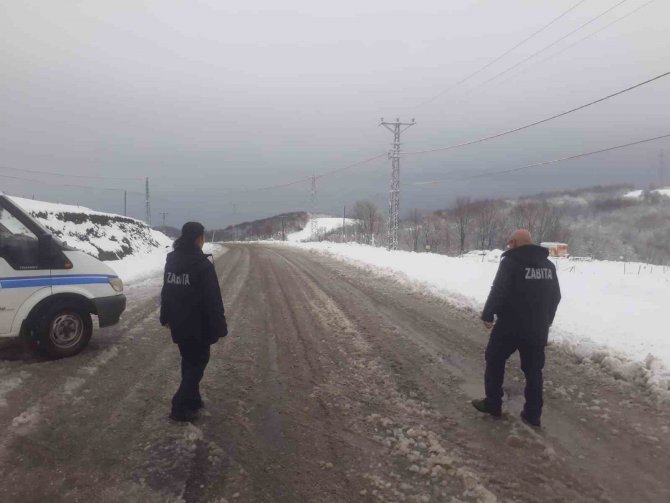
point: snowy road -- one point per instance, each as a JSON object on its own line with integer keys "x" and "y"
{"x": 334, "y": 385}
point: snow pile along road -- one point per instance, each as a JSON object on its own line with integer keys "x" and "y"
{"x": 323, "y": 225}
{"x": 137, "y": 268}
{"x": 612, "y": 314}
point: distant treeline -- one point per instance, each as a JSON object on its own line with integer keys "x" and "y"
{"x": 598, "y": 222}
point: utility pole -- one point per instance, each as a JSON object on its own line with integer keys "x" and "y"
{"x": 147, "y": 203}
{"x": 125, "y": 203}
{"x": 164, "y": 215}
{"x": 396, "y": 128}
{"x": 283, "y": 229}
{"x": 661, "y": 170}
{"x": 344, "y": 224}
{"x": 313, "y": 219}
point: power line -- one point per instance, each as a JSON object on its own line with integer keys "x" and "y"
{"x": 583, "y": 39}
{"x": 270, "y": 187}
{"x": 544, "y": 163}
{"x": 490, "y": 63}
{"x": 227, "y": 192}
{"x": 562, "y": 114}
{"x": 513, "y": 67}
{"x": 70, "y": 185}
{"x": 37, "y": 172}
{"x": 351, "y": 166}
{"x": 305, "y": 179}
{"x": 479, "y": 140}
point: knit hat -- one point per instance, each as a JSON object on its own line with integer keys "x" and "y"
{"x": 190, "y": 231}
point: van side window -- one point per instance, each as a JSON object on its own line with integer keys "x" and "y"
{"x": 19, "y": 246}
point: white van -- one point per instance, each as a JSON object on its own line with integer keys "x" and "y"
{"x": 49, "y": 291}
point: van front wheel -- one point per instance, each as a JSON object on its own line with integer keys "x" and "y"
{"x": 62, "y": 330}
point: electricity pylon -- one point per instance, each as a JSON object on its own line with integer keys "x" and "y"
{"x": 396, "y": 128}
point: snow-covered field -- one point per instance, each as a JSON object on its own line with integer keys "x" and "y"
{"x": 323, "y": 226}
{"x": 609, "y": 317}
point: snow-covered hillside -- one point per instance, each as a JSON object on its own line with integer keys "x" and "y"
{"x": 323, "y": 226}
{"x": 129, "y": 246}
{"x": 611, "y": 314}
{"x": 637, "y": 194}
{"x": 106, "y": 236}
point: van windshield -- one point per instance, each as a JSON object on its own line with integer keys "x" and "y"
{"x": 10, "y": 226}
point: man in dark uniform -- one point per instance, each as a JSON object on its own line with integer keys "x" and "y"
{"x": 192, "y": 308}
{"x": 524, "y": 298}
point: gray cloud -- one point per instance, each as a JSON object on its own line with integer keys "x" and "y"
{"x": 206, "y": 97}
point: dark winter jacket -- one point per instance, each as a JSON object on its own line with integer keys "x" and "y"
{"x": 525, "y": 293}
{"x": 191, "y": 298}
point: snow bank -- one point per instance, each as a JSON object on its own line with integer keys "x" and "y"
{"x": 611, "y": 314}
{"x": 323, "y": 226}
{"x": 106, "y": 236}
{"x": 135, "y": 269}
{"x": 634, "y": 194}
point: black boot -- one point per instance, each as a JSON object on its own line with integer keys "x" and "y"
{"x": 198, "y": 404}
{"x": 529, "y": 420}
{"x": 482, "y": 406}
{"x": 184, "y": 417}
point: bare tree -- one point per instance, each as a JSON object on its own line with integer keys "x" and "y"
{"x": 446, "y": 234}
{"x": 432, "y": 232}
{"x": 525, "y": 215}
{"x": 368, "y": 217}
{"x": 463, "y": 214}
{"x": 415, "y": 225}
{"x": 548, "y": 225}
{"x": 540, "y": 218}
{"x": 487, "y": 221}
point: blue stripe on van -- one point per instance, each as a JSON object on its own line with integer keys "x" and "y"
{"x": 57, "y": 280}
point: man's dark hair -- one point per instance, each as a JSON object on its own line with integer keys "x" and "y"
{"x": 190, "y": 232}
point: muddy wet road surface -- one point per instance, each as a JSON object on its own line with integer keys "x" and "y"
{"x": 334, "y": 385}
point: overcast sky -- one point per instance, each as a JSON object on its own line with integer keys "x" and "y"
{"x": 210, "y": 97}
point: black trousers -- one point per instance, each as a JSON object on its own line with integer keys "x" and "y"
{"x": 194, "y": 359}
{"x": 502, "y": 345}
